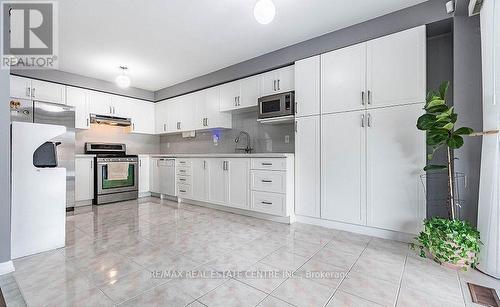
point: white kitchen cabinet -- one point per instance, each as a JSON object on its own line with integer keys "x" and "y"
{"x": 208, "y": 114}
{"x": 200, "y": 179}
{"x": 144, "y": 174}
{"x": 241, "y": 94}
{"x": 277, "y": 81}
{"x": 154, "y": 175}
{"x": 84, "y": 180}
{"x": 396, "y": 68}
{"x": 79, "y": 99}
{"x": 48, "y": 92}
{"x": 238, "y": 170}
{"x": 122, "y": 106}
{"x": 343, "y": 79}
{"x": 218, "y": 188}
{"x": 307, "y": 166}
{"x": 26, "y": 88}
{"x": 141, "y": 113}
{"x": 20, "y": 87}
{"x": 161, "y": 116}
{"x": 101, "y": 103}
{"x": 307, "y": 86}
{"x": 395, "y": 157}
{"x": 229, "y": 93}
{"x": 343, "y": 137}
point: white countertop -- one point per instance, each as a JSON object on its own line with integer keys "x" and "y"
{"x": 84, "y": 156}
{"x": 222, "y": 155}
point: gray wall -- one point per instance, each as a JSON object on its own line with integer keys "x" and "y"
{"x": 4, "y": 167}
{"x": 136, "y": 143}
{"x": 467, "y": 99}
{"x": 66, "y": 78}
{"x": 424, "y": 13}
{"x": 265, "y": 138}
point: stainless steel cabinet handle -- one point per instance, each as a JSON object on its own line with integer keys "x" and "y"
{"x": 91, "y": 164}
{"x": 266, "y": 164}
{"x": 266, "y": 203}
{"x": 182, "y": 179}
{"x": 369, "y": 97}
{"x": 133, "y": 126}
{"x": 363, "y": 98}
{"x": 279, "y": 84}
{"x": 178, "y": 125}
{"x": 274, "y": 85}
{"x": 204, "y": 164}
{"x": 28, "y": 92}
{"x": 164, "y": 127}
{"x": 296, "y": 106}
{"x": 87, "y": 122}
{"x": 267, "y": 181}
{"x": 296, "y": 126}
{"x": 235, "y": 101}
{"x": 239, "y": 100}
{"x": 33, "y": 92}
{"x": 110, "y": 112}
{"x": 363, "y": 120}
{"x": 183, "y": 191}
{"x": 369, "y": 120}
{"x": 140, "y": 163}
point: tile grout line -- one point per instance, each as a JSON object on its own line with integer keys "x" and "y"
{"x": 401, "y": 280}
{"x": 461, "y": 288}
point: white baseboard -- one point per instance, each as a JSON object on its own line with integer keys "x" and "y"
{"x": 264, "y": 216}
{"x": 82, "y": 203}
{"x": 6, "y": 267}
{"x": 144, "y": 194}
{"x": 364, "y": 230}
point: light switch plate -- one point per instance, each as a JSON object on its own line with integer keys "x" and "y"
{"x": 287, "y": 139}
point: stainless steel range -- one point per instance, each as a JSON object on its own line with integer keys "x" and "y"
{"x": 116, "y": 173}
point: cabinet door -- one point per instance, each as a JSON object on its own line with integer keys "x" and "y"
{"x": 286, "y": 79}
{"x": 307, "y": 166}
{"x": 79, "y": 99}
{"x": 343, "y": 142}
{"x": 122, "y": 106}
{"x": 154, "y": 176}
{"x": 144, "y": 169}
{"x": 307, "y": 90}
{"x": 229, "y": 93}
{"x": 397, "y": 68}
{"x": 395, "y": 157}
{"x": 84, "y": 179}
{"x": 249, "y": 92}
{"x": 20, "y": 87}
{"x": 343, "y": 78}
{"x": 214, "y": 117}
{"x": 218, "y": 186}
{"x": 160, "y": 111}
{"x": 100, "y": 103}
{"x": 268, "y": 83}
{"x": 199, "y": 179}
{"x": 143, "y": 116}
{"x": 239, "y": 187}
{"x": 48, "y": 92}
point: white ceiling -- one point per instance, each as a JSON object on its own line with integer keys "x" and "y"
{"x": 164, "y": 42}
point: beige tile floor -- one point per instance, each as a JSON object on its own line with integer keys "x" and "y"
{"x": 125, "y": 253}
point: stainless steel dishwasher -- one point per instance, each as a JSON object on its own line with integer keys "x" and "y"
{"x": 167, "y": 176}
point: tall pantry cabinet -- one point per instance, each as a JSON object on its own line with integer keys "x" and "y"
{"x": 362, "y": 145}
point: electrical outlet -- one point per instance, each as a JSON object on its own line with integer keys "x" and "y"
{"x": 287, "y": 139}
{"x": 168, "y": 144}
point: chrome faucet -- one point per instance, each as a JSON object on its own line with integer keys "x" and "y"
{"x": 248, "y": 148}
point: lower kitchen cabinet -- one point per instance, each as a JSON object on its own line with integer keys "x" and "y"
{"x": 199, "y": 180}
{"x": 154, "y": 175}
{"x": 238, "y": 171}
{"x": 144, "y": 170}
{"x": 84, "y": 180}
{"x": 218, "y": 185}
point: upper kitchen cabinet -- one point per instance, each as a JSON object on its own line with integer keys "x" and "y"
{"x": 140, "y": 112}
{"x": 20, "y": 87}
{"x": 241, "y": 94}
{"x": 207, "y": 113}
{"x": 25, "y": 88}
{"x": 101, "y": 103}
{"x": 307, "y": 86}
{"x": 343, "y": 75}
{"x": 79, "y": 99}
{"x": 160, "y": 109}
{"x": 396, "y": 68}
{"x": 277, "y": 81}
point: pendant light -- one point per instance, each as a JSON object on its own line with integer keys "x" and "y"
{"x": 123, "y": 80}
{"x": 264, "y": 11}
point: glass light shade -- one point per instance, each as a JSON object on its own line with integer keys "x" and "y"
{"x": 122, "y": 81}
{"x": 264, "y": 11}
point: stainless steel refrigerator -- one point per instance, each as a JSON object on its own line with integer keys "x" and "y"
{"x": 52, "y": 114}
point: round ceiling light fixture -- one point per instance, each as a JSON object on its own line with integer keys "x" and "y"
{"x": 123, "y": 80}
{"x": 264, "y": 11}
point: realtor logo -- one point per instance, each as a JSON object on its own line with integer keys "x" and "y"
{"x": 29, "y": 34}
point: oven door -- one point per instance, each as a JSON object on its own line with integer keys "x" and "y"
{"x": 108, "y": 186}
{"x": 276, "y": 105}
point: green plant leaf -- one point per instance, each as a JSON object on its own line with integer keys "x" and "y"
{"x": 437, "y": 109}
{"x": 455, "y": 142}
{"x": 443, "y": 89}
{"x": 435, "y": 102}
{"x": 448, "y": 126}
{"x": 434, "y": 167}
{"x": 464, "y": 131}
{"x": 425, "y": 121}
{"x": 437, "y": 136}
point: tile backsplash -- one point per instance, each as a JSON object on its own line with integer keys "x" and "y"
{"x": 264, "y": 138}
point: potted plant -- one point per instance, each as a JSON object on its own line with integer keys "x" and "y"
{"x": 451, "y": 242}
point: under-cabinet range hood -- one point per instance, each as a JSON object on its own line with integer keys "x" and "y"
{"x": 110, "y": 120}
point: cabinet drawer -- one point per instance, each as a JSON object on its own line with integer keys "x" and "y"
{"x": 269, "y": 181}
{"x": 266, "y": 202}
{"x": 275, "y": 164}
{"x": 183, "y": 170}
{"x": 183, "y": 162}
{"x": 184, "y": 179}
{"x": 184, "y": 190}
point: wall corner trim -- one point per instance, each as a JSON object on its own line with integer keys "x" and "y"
{"x": 6, "y": 267}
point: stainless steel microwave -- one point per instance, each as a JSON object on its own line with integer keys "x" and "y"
{"x": 277, "y": 105}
